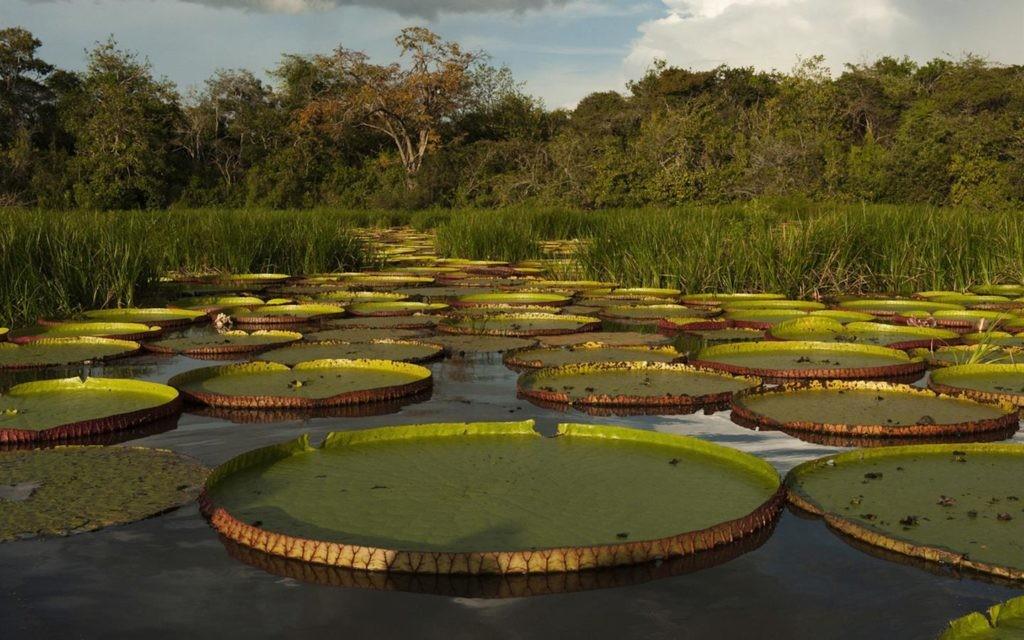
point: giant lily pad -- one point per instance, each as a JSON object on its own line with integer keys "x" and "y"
{"x": 810, "y": 360}
{"x": 519, "y": 324}
{"x": 1004, "y": 621}
{"x": 609, "y": 338}
{"x": 119, "y": 330}
{"x": 354, "y": 297}
{"x": 632, "y": 384}
{"x": 885, "y": 308}
{"x": 469, "y": 344}
{"x": 441, "y": 294}
{"x": 963, "y": 320}
{"x": 867, "y": 333}
{"x": 403, "y": 308}
{"x": 387, "y": 349}
{"x": 985, "y": 382}
{"x": 516, "y": 299}
{"x": 719, "y": 299}
{"x": 956, "y": 504}
{"x": 46, "y": 492}
{"x": 286, "y": 313}
{"x": 624, "y": 293}
{"x": 762, "y": 318}
{"x": 251, "y": 279}
{"x": 749, "y": 305}
{"x": 362, "y": 334}
{"x": 210, "y": 304}
{"x": 447, "y": 498}
{"x": 386, "y": 282}
{"x": 650, "y": 313}
{"x": 223, "y": 343}
{"x": 159, "y": 317}
{"x": 51, "y": 352}
{"x": 996, "y": 339}
{"x": 415, "y": 321}
{"x": 969, "y": 354}
{"x": 1010, "y": 290}
{"x": 869, "y": 409}
{"x": 537, "y": 357}
{"x": 50, "y": 410}
{"x": 312, "y": 384}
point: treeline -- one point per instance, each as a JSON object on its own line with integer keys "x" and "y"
{"x": 443, "y": 127}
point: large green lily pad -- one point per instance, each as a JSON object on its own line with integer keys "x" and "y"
{"x": 120, "y": 330}
{"x": 51, "y": 352}
{"x": 815, "y": 329}
{"x": 400, "y": 308}
{"x": 159, "y": 317}
{"x": 1011, "y": 290}
{"x": 1004, "y": 621}
{"x": 996, "y": 339}
{"x": 957, "y": 504}
{"x": 762, "y": 318}
{"x": 416, "y": 321}
{"x": 869, "y": 409}
{"x": 530, "y": 299}
{"x": 812, "y": 360}
{"x": 66, "y": 490}
{"x": 286, "y": 313}
{"x": 441, "y": 294}
{"x": 223, "y": 343}
{"x": 650, "y": 313}
{"x": 519, "y": 324}
{"x": 387, "y": 282}
{"x": 537, "y": 357}
{"x": 956, "y": 319}
{"x": 362, "y": 334}
{"x": 353, "y": 297}
{"x": 215, "y": 303}
{"x": 386, "y": 349}
{"x": 610, "y": 338}
{"x": 632, "y": 384}
{"x": 469, "y": 344}
{"x": 719, "y": 299}
{"x": 749, "y": 305}
{"x": 311, "y": 384}
{"x": 970, "y": 354}
{"x": 890, "y": 307}
{"x": 50, "y": 410}
{"x": 623, "y": 293}
{"x": 986, "y": 382}
{"x": 449, "y": 498}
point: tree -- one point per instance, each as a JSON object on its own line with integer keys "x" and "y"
{"x": 23, "y": 90}
{"x": 407, "y": 104}
{"x": 124, "y": 122}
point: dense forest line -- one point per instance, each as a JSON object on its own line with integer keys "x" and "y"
{"x": 441, "y": 126}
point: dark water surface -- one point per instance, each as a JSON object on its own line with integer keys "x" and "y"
{"x": 171, "y": 576}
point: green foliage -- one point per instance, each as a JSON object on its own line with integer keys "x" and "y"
{"x": 54, "y": 263}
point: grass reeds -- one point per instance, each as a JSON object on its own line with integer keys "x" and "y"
{"x": 55, "y": 263}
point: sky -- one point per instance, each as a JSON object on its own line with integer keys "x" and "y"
{"x": 561, "y": 50}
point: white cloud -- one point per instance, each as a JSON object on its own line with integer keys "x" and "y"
{"x": 774, "y": 34}
{"x": 422, "y": 8}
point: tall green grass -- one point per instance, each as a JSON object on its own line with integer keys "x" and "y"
{"x": 801, "y": 249}
{"x": 55, "y": 263}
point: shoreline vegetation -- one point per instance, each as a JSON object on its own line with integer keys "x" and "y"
{"x": 56, "y": 263}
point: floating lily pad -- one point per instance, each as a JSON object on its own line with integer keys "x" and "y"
{"x": 209, "y": 304}
{"x": 974, "y": 301}
{"x": 519, "y": 324}
{"x": 996, "y": 339}
{"x": 632, "y": 384}
{"x": 1004, "y": 621}
{"x": 650, "y": 314}
{"x": 62, "y": 409}
{"x": 537, "y": 357}
{"x": 223, "y": 343}
{"x": 610, "y": 338}
{"x": 842, "y": 316}
{"x": 362, "y": 334}
{"x": 159, "y": 317}
{"x": 884, "y": 308}
{"x": 436, "y": 498}
{"x": 748, "y": 305}
{"x": 762, "y": 318}
{"x": 51, "y": 352}
{"x": 515, "y": 299}
{"x": 724, "y": 335}
{"x": 441, "y": 294}
{"x": 574, "y": 285}
{"x": 969, "y": 354}
{"x": 674, "y": 325}
{"x": 286, "y": 313}
{"x": 463, "y": 344}
{"x": 957, "y": 504}
{"x": 606, "y": 301}
{"x": 67, "y": 490}
{"x": 869, "y": 409}
{"x": 866, "y": 333}
{"x": 720, "y": 299}
{"x": 644, "y": 292}
{"x": 316, "y": 383}
{"x": 985, "y": 382}
{"x": 119, "y": 330}
{"x": 403, "y": 308}
{"x": 352, "y": 297}
{"x": 810, "y": 360}
{"x": 415, "y": 321}
{"x": 387, "y": 349}
{"x": 1009, "y": 290}
{"x": 387, "y": 282}
{"x": 963, "y": 320}
{"x": 492, "y": 309}
{"x": 251, "y": 278}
